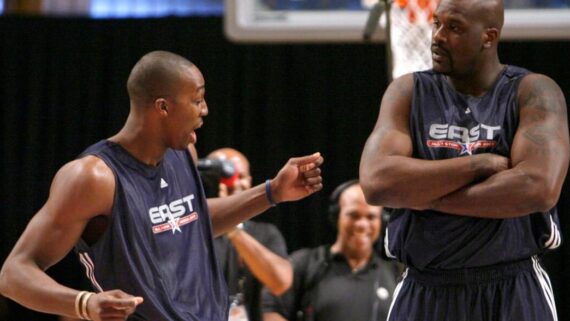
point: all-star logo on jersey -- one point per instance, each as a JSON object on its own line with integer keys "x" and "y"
{"x": 466, "y": 140}
{"x": 171, "y": 216}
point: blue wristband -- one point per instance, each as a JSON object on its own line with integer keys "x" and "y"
{"x": 268, "y": 193}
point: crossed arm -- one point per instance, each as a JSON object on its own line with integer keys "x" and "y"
{"x": 483, "y": 185}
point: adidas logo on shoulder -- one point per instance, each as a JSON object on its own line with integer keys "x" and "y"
{"x": 163, "y": 183}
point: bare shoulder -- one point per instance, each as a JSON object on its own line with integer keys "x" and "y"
{"x": 87, "y": 172}
{"x": 543, "y": 126}
{"x": 401, "y": 87}
{"x": 540, "y": 93}
{"x": 85, "y": 186}
{"x": 395, "y": 106}
{"x": 537, "y": 79}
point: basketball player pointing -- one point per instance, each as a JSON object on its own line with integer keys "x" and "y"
{"x": 472, "y": 156}
{"x": 133, "y": 208}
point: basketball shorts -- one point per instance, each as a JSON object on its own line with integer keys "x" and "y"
{"x": 518, "y": 291}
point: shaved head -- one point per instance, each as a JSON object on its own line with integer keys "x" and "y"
{"x": 491, "y": 12}
{"x": 466, "y": 36}
{"x": 157, "y": 74}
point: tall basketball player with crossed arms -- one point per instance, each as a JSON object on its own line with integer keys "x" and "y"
{"x": 471, "y": 156}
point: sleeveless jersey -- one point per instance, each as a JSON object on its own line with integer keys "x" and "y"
{"x": 445, "y": 124}
{"x": 158, "y": 244}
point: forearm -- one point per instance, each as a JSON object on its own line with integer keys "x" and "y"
{"x": 227, "y": 212}
{"x": 34, "y": 289}
{"x": 400, "y": 181}
{"x": 511, "y": 193}
{"x": 269, "y": 268}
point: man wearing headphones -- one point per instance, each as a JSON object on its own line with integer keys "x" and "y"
{"x": 345, "y": 281}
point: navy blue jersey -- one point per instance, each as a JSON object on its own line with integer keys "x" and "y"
{"x": 446, "y": 124}
{"x": 158, "y": 244}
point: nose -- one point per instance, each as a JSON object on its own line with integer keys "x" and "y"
{"x": 204, "y": 109}
{"x": 361, "y": 223}
{"x": 438, "y": 34}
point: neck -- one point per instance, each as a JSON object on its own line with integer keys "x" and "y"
{"x": 479, "y": 82}
{"x": 138, "y": 138}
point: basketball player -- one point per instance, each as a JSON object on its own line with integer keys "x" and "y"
{"x": 472, "y": 156}
{"x": 133, "y": 207}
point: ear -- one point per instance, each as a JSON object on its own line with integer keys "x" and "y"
{"x": 161, "y": 106}
{"x": 490, "y": 37}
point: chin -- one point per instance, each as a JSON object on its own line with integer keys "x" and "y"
{"x": 180, "y": 146}
{"x": 443, "y": 66}
{"x": 360, "y": 247}
{"x": 441, "y": 70}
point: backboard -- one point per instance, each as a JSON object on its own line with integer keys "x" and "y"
{"x": 272, "y": 21}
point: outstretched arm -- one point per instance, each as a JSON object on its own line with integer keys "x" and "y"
{"x": 269, "y": 268}
{"x": 299, "y": 178}
{"x": 80, "y": 191}
{"x": 539, "y": 155}
{"x": 391, "y": 177}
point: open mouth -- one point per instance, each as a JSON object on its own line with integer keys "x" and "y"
{"x": 193, "y": 136}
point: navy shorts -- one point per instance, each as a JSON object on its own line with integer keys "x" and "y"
{"x": 519, "y": 291}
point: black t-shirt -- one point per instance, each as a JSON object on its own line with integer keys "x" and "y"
{"x": 234, "y": 271}
{"x": 326, "y": 289}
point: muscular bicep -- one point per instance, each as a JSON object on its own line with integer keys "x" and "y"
{"x": 389, "y": 141}
{"x": 541, "y": 145}
{"x": 80, "y": 191}
{"x": 391, "y": 135}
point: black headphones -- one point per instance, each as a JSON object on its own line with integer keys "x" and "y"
{"x": 334, "y": 207}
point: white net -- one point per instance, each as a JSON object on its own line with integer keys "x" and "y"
{"x": 411, "y": 26}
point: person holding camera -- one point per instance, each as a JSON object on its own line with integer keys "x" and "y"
{"x": 345, "y": 281}
{"x": 253, "y": 254}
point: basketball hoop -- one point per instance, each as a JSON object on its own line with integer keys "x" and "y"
{"x": 410, "y": 33}
{"x": 418, "y": 10}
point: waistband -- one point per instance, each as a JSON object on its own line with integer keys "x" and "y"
{"x": 477, "y": 275}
